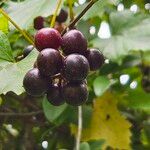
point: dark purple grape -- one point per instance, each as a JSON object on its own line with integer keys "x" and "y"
{"x": 49, "y": 62}
{"x": 76, "y": 67}
{"x": 47, "y": 38}
{"x": 34, "y": 83}
{"x": 39, "y": 23}
{"x": 75, "y": 93}
{"x": 54, "y": 95}
{"x": 62, "y": 17}
{"x": 95, "y": 58}
{"x": 27, "y": 50}
{"x": 74, "y": 42}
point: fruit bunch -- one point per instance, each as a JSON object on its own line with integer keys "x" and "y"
{"x": 61, "y": 67}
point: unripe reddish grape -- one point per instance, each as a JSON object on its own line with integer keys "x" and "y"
{"x": 47, "y": 38}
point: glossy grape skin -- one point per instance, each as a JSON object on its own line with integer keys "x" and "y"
{"x": 76, "y": 67}
{"x": 95, "y": 58}
{"x": 74, "y": 42}
{"x": 62, "y": 17}
{"x": 39, "y": 23}
{"x": 75, "y": 94}
{"x": 54, "y": 95}
{"x": 49, "y": 62}
{"x": 47, "y": 38}
{"x": 34, "y": 83}
{"x": 27, "y": 50}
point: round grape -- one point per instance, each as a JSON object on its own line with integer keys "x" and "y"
{"x": 75, "y": 94}
{"x": 54, "y": 95}
{"x": 49, "y": 62}
{"x": 27, "y": 50}
{"x": 34, "y": 83}
{"x": 95, "y": 58}
{"x": 47, "y": 38}
{"x": 39, "y": 23}
{"x": 62, "y": 17}
{"x": 74, "y": 42}
{"x": 76, "y": 67}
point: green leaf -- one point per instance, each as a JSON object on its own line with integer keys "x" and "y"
{"x": 84, "y": 146}
{"x": 138, "y": 99}
{"x": 51, "y": 112}
{"x": 96, "y": 10}
{"x": 100, "y": 85}
{"x": 11, "y": 76}
{"x": 126, "y": 35}
{"x": 23, "y": 13}
{"x": 3, "y": 24}
{"x": 96, "y": 144}
{"x": 5, "y": 49}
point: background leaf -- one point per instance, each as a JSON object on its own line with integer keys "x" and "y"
{"x": 101, "y": 84}
{"x": 5, "y": 49}
{"x": 129, "y": 32}
{"x": 23, "y": 13}
{"x": 96, "y": 10}
{"x": 138, "y": 100}
{"x": 84, "y": 146}
{"x": 11, "y": 76}
{"x": 52, "y": 113}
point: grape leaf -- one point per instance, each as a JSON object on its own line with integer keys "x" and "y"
{"x": 107, "y": 124}
{"x": 84, "y": 146}
{"x": 137, "y": 99}
{"x": 23, "y": 13}
{"x": 5, "y": 49}
{"x": 11, "y": 76}
{"x": 126, "y": 35}
{"x": 3, "y": 24}
{"x": 96, "y": 10}
{"x": 51, "y": 112}
{"x": 101, "y": 84}
{"x": 96, "y": 144}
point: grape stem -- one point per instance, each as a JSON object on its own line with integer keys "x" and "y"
{"x": 55, "y": 13}
{"x": 78, "y": 138}
{"x": 71, "y": 14}
{"x": 72, "y": 23}
{"x": 28, "y": 38}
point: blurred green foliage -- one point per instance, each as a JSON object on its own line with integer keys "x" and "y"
{"x": 126, "y": 73}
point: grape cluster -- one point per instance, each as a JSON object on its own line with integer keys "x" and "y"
{"x": 61, "y": 67}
